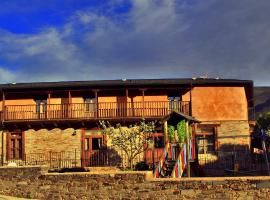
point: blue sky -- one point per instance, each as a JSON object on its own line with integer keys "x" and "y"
{"x": 57, "y": 40}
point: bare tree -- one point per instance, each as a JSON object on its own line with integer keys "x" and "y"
{"x": 133, "y": 140}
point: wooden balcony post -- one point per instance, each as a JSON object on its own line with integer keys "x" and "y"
{"x": 187, "y": 149}
{"x": 143, "y": 112}
{"x": 166, "y": 132}
{"x": 126, "y": 104}
{"x": 96, "y": 98}
{"x": 83, "y": 158}
{"x": 48, "y": 105}
{"x": 190, "y": 100}
{"x": 3, "y": 106}
{"x": 69, "y": 104}
{"x": 2, "y": 156}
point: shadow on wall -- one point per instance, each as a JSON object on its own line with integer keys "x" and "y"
{"x": 104, "y": 157}
{"x": 232, "y": 160}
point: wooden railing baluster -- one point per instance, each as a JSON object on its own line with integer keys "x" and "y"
{"x": 92, "y": 110}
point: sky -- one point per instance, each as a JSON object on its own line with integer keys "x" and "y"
{"x": 69, "y": 40}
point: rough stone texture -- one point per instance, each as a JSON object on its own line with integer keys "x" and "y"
{"x": 35, "y": 183}
{"x": 239, "y": 133}
{"x": 56, "y": 140}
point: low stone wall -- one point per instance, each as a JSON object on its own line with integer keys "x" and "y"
{"x": 34, "y": 182}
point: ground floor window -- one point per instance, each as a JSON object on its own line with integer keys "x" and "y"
{"x": 15, "y": 145}
{"x": 206, "y": 136}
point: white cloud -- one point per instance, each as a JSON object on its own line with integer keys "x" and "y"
{"x": 6, "y": 76}
{"x": 156, "y": 38}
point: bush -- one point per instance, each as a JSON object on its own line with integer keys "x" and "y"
{"x": 142, "y": 166}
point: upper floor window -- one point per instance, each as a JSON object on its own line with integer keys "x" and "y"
{"x": 90, "y": 104}
{"x": 41, "y": 106}
{"x": 174, "y": 103}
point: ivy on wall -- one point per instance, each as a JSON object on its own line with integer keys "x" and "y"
{"x": 181, "y": 131}
{"x": 171, "y": 133}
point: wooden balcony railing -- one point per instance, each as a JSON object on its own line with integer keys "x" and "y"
{"x": 93, "y": 110}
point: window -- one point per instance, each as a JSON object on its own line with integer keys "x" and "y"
{"x": 206, "y": 139}
{"x": 87, "y": 144}
{"x": 90, "y": 104}
{"x": 41, "y": 106}
{"x": 174, "y": 102}
{"x": 159, "y": 141}
{"x": 96, "y": 143}
{"x": 15, "y": 146}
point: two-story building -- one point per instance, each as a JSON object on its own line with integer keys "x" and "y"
{"x": 48, "y": 122}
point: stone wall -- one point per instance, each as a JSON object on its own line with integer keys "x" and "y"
{"x": 34, "y": 182}
{"x": 231, "y": 133}
{"x": 57, "y": 140}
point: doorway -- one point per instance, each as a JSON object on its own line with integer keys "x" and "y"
{"x": 15, "y": 146}
{"x": 95, "y": 150}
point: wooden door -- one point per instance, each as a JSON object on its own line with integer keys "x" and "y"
{"x": 95, "y": 150}
{"x": 15, "y": 146}
{"x": 153, "y": 155}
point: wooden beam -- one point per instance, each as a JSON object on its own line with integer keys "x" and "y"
{"x": 83, "y": 148}
{"x": 3, "y": 106}
{"x": 187, "y": 150}
{"x": 2, "y": 158}
{"x": 143, "y": 90}
{"x": 49, "y": 98}
{"x": 166, "y": 139}
{"x": 96, "y": 98}
{"x": 69, "y": 97}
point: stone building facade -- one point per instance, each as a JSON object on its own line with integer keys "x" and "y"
{"x": 59, "y": 122}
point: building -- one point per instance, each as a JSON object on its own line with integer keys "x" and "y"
{"x": 56, "y": 120}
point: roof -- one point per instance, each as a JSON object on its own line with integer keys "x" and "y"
{"x": 125, "y": 83}
{"x": 180, "y": 115}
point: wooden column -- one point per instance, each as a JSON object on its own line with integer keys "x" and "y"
{"x": 82, "y": 148}
{"x": 3, "y": 106}
{"x": 23, "y": 146}
{"x": 127, "y": 104}
{"x": 143, "y": 112}
{"x": 190, "y": 102}
{"x": 48, "y": 105}
{"x": 8, "y": 146}
{"x": 166, "y": 139}
{"x": 188, "y": 146}
{"x": 2, "y": 158}
{"x": 49, "y": 98}
{"x": 69, "y": 104}
{"x": 96, "y": 97}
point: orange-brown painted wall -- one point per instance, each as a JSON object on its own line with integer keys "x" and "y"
{"x": 219, "y": 103}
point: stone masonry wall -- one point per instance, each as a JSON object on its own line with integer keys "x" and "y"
{"x": 34, "y": 182}
{"x": 57, "y": 140}
{"x": 233, "y": 133}
{"x": 43, "y": 141}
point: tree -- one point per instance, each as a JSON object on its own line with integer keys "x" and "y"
{"x": 133, "y": 140}
{"x": 263, "y": 123}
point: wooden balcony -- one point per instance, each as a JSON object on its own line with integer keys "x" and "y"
{"x": 108, "y": 110}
